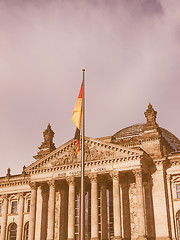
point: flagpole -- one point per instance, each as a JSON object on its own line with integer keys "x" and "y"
{"x": 82, "y": 219}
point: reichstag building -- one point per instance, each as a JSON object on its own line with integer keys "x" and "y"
{"x": 132, "y": 188}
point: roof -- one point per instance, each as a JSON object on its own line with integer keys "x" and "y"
{"x": 136, "y": 130}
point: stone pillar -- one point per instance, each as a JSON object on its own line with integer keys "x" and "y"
{"x": 71, "y": 209}
{"x": 94, "y": 207}
{"x": 116, "y": 206}
{"x": 171, "y": 207}
{"x": 140, "y": 205}
{"x": 51, "y": 212}
{"x": 104, "y": 226}
{"x": 4, "y": 217}
{"x": 20, "y": 216}
{"x": 32, "y": 216}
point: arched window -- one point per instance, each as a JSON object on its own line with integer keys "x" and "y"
{"x": 12, "y": 231}
{"x": 26, "y": 231}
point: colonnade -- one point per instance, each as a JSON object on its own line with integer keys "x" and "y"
{"x": 71, "y": 209}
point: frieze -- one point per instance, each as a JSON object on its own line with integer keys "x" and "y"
{"x": 90, "y": 154}
{"x": 69, "y": 157}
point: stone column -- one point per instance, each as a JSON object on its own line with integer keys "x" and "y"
{"x": 51, "y": 208}
{"x": 71, "y": 208}
{"x": 140, "y": 205}
{"x": 4, "y": 217}
{"x": 32, "y": 216}
{"x": 116, "y": 206}
{"x": 94, "y": 207}
{"x": 20, "y": 216}
{"x": 104, "y": 226}
{"x": 171, "y": 207}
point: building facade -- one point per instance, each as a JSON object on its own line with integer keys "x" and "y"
{"x": 132, "y": 188}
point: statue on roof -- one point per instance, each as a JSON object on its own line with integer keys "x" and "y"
{"x": 47, "y": 145}
{"x": 150, "y": 115}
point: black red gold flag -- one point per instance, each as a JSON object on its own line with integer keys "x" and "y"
{"x": 76, "y": 118}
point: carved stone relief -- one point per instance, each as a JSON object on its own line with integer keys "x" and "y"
{"x": 57, "y": 215}
{"x": 133, "y": 210}
{"x": 91, "y": 153}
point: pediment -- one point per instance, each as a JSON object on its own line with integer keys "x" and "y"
{"x": 94, "y": 150}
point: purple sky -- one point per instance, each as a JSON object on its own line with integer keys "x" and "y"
{"x": 131, "y": 52}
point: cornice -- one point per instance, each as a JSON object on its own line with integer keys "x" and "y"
{"x": 14, "y": 183}
{"x": 87, "y": 164}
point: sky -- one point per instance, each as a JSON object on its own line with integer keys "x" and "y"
{"x": 129, "y": 48}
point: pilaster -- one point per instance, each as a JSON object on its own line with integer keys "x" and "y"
{"x": 20, "y": 215}
{"x": 4, "y": 217}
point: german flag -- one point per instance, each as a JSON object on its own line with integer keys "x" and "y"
{"x": 76, "y": 118}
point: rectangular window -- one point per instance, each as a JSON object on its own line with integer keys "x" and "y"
{"x": 77, "y": 212}
{"x": 14, "y": 207}
{"x": 99, "y": 212}
{"x": 28, "y": 205}
{"x": 178, "y": 191}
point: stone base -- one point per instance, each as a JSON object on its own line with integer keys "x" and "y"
{"x": 142, "y": 237}
{"x": 163, "y": 238}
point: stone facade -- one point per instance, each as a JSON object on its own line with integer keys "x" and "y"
{"x": 132, "y": 186}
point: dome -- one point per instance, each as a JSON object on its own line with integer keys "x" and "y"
{"x": 136, "y": 130}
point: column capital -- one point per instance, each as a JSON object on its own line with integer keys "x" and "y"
{"x": 51, "y": 183}
{"x": 93, "y": 177}
{"x": 137, "y": 173}
{"x": 33, "y": 185}
{"x": 20, "y": 195}
{"x": 4, "y": 196}
{"x": 114, "y": 175}
{"x": 70, "y": 180}
{"x": 168, "y": 176}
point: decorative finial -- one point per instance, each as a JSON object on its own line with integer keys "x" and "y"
{"x": 47, "y": 146}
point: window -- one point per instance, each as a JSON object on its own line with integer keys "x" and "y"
{"x": 12, "y": 231}
{"x": 178, "y": 191}
{"x": 28, "y": 205}
{"x": 14, "y": 207}
{"x": 99, "y": 212}
{"x": 110, "y": 213}
{"x": 77, "y": 202}
{"x": 26, "y": 231}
